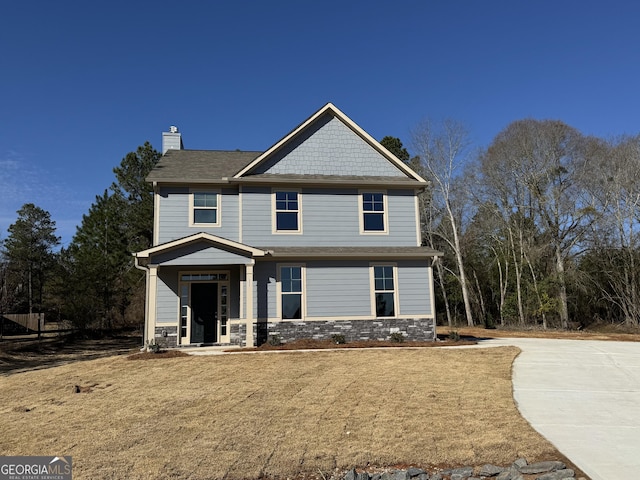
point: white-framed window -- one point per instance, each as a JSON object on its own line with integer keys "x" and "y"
{"x": 204, "y": 208}
{"x": 384, "y": 292}
{"x": 291, "y": 291}
{"x": 286, "y": 211}
{"x": 373, "y": 212}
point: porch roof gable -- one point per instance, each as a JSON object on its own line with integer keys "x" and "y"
{"x": 203, "y": 237}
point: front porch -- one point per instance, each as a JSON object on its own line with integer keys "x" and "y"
{"x": 197, "y": 288}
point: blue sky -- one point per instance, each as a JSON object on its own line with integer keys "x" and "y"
{"x": 83, "y": 83}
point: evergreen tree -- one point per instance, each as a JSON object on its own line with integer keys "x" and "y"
{"x": 394, "y": 145}
{"x": 120, "y": 221}
{"x": 29, "y": 254}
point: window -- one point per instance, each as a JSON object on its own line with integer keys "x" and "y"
{"x": 373, "y": 212}
{"x": 291, "y": 292}
{"x": 384, "y": 290}
{"x": 287, "y": 209}
{"x": 205, "y": 208}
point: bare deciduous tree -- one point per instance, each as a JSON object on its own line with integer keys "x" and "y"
{"x": 443, "y": 153}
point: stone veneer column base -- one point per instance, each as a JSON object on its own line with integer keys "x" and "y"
{"x": 166, "y": 337}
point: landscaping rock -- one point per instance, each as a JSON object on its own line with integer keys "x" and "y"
{"x": 414, "y": 472}
{"x": 490, "y": 470}
{"x": 541, "y": 467}
{"x": 558, "y": 475}
{"x": 518, "y": 470}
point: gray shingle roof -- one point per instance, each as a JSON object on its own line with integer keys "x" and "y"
{"x": 193, "y": 166}
{"x": 212, "y": 166}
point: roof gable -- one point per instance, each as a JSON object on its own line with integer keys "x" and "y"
{"x": 195, "y": 243}
{"x": 329, "y": 143}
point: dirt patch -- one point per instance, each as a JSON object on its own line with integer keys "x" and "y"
{"x": 606, "y": 334}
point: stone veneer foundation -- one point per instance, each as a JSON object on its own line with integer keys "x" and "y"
{"x": 413, "y": 329}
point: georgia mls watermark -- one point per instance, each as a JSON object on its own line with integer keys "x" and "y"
{"x": 35, "y": 468}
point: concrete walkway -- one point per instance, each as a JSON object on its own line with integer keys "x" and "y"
{"x": 584, "y": 397}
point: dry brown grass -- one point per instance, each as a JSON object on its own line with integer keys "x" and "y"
{"x": 275, "y": 415}
{"x": 606, "y": 334}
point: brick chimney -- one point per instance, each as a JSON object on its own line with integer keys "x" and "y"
{"x": 171, "y": 140}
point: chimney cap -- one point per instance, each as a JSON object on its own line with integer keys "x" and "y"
{"x": 173, "y": 129}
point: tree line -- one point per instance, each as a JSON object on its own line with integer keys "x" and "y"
{"x": 538, "y": 228}
{"x": 92, "y": 283}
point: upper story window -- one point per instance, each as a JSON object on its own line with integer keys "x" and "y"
{"x": 373, "y": 207}
{"x": 287, "y": 211}
{"x": 205, "y": 208}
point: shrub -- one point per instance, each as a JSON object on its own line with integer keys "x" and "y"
{"x": 153, "y": 346}
{"x": 338, "y": 339}
{"x": 454, "y": 336}
{"x": 397, "y": 337}
{"x": 274, "y": 340}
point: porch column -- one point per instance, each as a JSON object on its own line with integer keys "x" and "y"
{"x": 152, "y": 289}
{"x": 249, "y": 314}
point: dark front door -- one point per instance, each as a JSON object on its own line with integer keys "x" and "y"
{"x": 204, "y": 312}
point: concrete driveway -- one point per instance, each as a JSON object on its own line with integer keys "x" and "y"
{"x": 584, "y": 397}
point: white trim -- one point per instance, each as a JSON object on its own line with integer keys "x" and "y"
{"x": 156, "y": 213}
{"x": 274, "y": 211}
{"x": 217, "y": 208}
{"x": 396, "y": 303}
{"x": 243, "y": 286}
{"x": 188, "y": 283}
{"x": 198, "y": 237}
{"x": 385, "y": 212}
{"x": 249, "y": 340}
{"x": 152, "y": 302}
{"x": 240, "y": 213}
{"x": 329, "y": 107}
{"x": 303, "y": 293}
{"x": 433, "y": 298}
{"x": 418, "y": 224}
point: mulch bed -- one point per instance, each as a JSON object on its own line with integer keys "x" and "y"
{"x": 309, "y": 344}
{"x": 158, "y": 355}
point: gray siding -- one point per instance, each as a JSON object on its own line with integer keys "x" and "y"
{"x": 174, "y": 215}
{"x": 329, "y": 147}
{"x": 330, "y": 217}
{"x": 338, "y": 289}
{"x": 414, "y": 291}
{"x": 167, "y": 297}
{"x": 343, "y": 289}
{"x": 264, "y": 293}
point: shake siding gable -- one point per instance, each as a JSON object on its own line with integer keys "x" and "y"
{"x": 329, "y": 147}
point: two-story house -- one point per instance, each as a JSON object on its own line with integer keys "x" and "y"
{"x": 318, "y": 235}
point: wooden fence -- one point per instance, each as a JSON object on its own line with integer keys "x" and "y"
{"x": 27, "y": 320}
